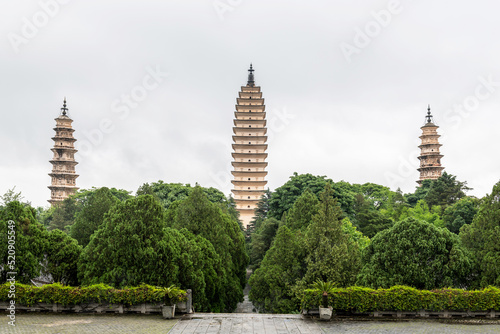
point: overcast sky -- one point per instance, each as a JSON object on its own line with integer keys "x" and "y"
{"x": 151, "y": 87}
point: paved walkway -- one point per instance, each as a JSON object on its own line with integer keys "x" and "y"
{"x": 236, "y": 323}
{"x": 246, "y": 306}
{"x": 233, "y": 323}
{"x": 48, "y": 323}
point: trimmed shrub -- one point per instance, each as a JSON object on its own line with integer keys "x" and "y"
{"x": 403, "y": 298}
{"x": 99, "y": 293}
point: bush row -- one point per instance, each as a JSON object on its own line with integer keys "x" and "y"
{"x": 403, "y": 298}
{"x": 99, "y": 293}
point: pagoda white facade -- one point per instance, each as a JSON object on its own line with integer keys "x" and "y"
{"x": 249, "y": 150}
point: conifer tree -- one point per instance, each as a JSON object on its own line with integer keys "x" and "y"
{"x": 482, "y": 238}
{"x": 272, "y": 284}
{"x": 331, "y": 254}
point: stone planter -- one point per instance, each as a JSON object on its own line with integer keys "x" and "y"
{"x": 325, "y": 313}
{"x": 168, "y": 311}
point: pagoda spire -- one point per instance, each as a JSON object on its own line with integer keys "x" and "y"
{"x": 63, "y": 162}
{"x": 249, "y": 150}
{"x": 64, "y": 109}
{"x": 430, "y": 157}
{"x": 251, "y": 81}
{"x": 429, "y": 118}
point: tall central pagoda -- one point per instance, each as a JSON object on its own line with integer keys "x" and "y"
{"x": 249, "y": 156}
{"x": 430, "y": 157}
{"x": 63, "y": 162}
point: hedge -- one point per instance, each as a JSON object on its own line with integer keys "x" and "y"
{"x": 99, "y": 293}
{"x": 404, "y": 298}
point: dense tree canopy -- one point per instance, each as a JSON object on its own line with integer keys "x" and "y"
{"x": 30, "y": 242}
{"x": 482, "y": 238}
{"x": 460, "y": 213}
{"x": 91, "y": 215}
{"x": 129, "y": 248}
{"x": 332, "y": 255}
{"x": 417, "y": 254}
{"x": 62, "y": 255}
{"x": 202, "y": 217}
{"x": 272, "y": 284}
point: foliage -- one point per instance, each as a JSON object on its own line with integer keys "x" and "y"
{"x": 460, "y": 213}
{"x": 91, "y": 214}
{"x": 62, "y": 257}
{"x": 332, "y": 255}
{"x": 419, "y": 194}
{"x": 84, "y": 195}
{"x": 202, "y": 217}
{"x": 64, "y": 215}
{"x": 369, "y": 220}
{"x": 45, "y": 215}
{"x": 27, "y": 252}
{"x": 10, "y": 196}
{"x": 303, "y": 210}
{"x": 261, "y": 212}
{"x": 99, "y": 293}
{"x": 421, "y": 211}
{"x": 355, "y": 235}
{"x": 482, "y": 238}
{"x": 261, "y": 241}
{"x": 168, "y": 193}
{"x": 285, "y": 196}
{"x": 403, "y": 298}
{"x": 446, "y": 191}
{"x": 272, "y": 284}
{"x": 324, "y": 289}
{"x": 128, "y": 248}
{"x": 415, "y": 253}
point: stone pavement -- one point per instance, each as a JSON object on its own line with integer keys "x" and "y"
{"x": 49, "y": 323}
{"x": 234, "y": 323}
{"x": 52, "y": 323}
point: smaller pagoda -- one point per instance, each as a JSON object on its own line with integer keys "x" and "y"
{"x": 430, "y": 157}
{"x": 63, "y": 162}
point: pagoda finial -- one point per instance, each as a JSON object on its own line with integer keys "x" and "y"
{"x": 428, "y": 118}
{"x": 251, "y": 81}
{"x": 64, "y": 109}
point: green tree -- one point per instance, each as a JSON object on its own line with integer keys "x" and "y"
{"x": 369, "y": 220}
{"x": 285, "y": 196}
{"x": 168, "y": 193}
{"x": 10, "y": 196}
{"x": 446, "y": 190}
{"x": 415, "y": 253}
{"x": 64, "y": 215}
{"x": 303, "y": 210}
{"x": 331, "y": 254}
{"x": 460, "y": 213}
{"x": 45, "y": 215}
{"x": 202, "y": 217}
{"x": 261, "y": 212}
{"x": 272, "y": 284}
{"x": 422, "y": 211}
{"x": 482, "y": 236}
{"x": 129, "y": 248}
{"x": 91, "y": 214}
{"x": 62, "y": 255}
{"x": 261, "y": 241}
{"x": 419, "y": 194}
{"x": 28, "y": 241}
